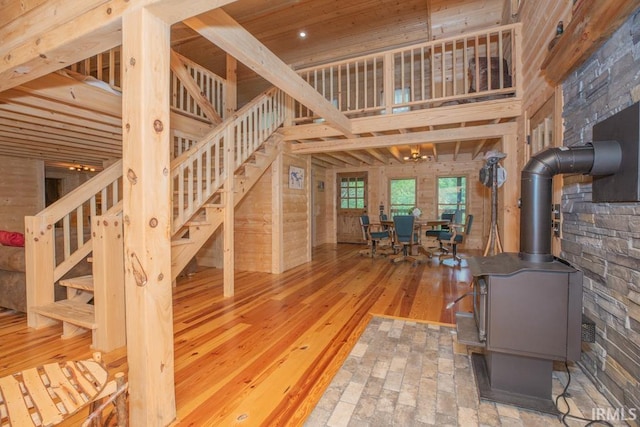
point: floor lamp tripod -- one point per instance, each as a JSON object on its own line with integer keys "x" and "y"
{"x": 493, "y": 176}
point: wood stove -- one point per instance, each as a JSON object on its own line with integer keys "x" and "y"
{"x": 526, "y": 315}
{"x": 527, "y": 310}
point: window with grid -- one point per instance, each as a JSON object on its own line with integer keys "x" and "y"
{"x": 452, "y": 197}
{"x": 402, "y": 196}
{"x": 352, "y": 192}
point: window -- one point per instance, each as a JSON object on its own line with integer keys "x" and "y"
{"x": 352, "y": 192}
{"x": 402, "y": 196}
{"x": 452, "y": 197}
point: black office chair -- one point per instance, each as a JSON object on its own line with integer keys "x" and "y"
{"x": 405, "y": 237}
{"x": 437, "y": 233}
{"x": 372, "y": 237}
{"x": 453, "y": 238}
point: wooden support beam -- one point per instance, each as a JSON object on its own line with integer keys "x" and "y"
{"x": 147, "y": 219}
{"x": 434, "y": 137}
{"x": 507, "y": 108}
{"x": 395, "y": 152}
{"x": 231, "y": 91}
{"x": 327, "y": 159}
{"x": 591, "y": 25}
{"x": 219, "y": 28}
{"x": 108, "y": 282}
{"x": 180, "y": 70}
{"x": 59, "y": 33}
{"x": 228, "y": 250}
{"x": 172, "y": 11}
{"x": 277, "y": 220}
{"x": 379, "y": 157}
{"x": 510, "y": 194}
{"x": 434, "y": 148}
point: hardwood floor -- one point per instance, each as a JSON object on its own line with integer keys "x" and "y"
{"x": 265, "y": 356}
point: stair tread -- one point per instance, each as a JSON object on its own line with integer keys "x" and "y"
{"x": 181, "y": 241}
{"x": 79, "y": 314}
{"x": 80, "y": 282}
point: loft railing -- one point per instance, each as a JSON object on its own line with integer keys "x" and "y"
{"x": 454, "y": 69}
{"x": 210, "y": 85}
{"x": 107, "y": 67}
{"x": 199, "y": 171}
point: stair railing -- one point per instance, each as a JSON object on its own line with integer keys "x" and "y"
{"x": 107, "y": 67}
{"x": 199, "y": 172}
{"x": 68, "y": 219}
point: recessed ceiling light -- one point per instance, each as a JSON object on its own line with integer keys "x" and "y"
{"x": 302, "y": 34}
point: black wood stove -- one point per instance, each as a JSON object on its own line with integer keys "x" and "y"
{"x": 527, "y": 309}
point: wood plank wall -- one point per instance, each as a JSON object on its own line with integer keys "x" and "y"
{"x": 295, "y": 215}
{"x": 453, "y": 17}
{"x": 427, "y": 174}
{"x": 539, "y": 22}
{"x": 21, "y": 191}
{"x": 255, "y": 226}
{"x": 321, "y": 206}
{"x": 539, "y": 19}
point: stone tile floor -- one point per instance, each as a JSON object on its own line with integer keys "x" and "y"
{"x": 403, "y": 373}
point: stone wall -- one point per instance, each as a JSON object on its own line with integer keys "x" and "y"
{"x": 603, "y": 239}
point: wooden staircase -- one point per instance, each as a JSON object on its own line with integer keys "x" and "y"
{"x": 197, "y": 231}
{"x": 96, "y": 302}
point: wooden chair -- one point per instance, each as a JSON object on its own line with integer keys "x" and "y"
{"x": 49, "y": 394}
{"x": 456, "y": 236}
{"x": 372, "y": 237}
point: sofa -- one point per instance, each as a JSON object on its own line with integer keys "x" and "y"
{"x": 13, "y": 293}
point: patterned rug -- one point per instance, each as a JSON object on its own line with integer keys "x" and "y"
{"x": 403, "y": 373}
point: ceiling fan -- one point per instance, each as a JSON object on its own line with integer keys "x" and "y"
{"x": 415, "y": 155}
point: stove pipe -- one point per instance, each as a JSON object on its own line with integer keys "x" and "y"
{"x": 595, "y": 158}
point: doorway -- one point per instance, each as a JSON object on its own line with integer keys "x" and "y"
{"x": 351, "y": 203}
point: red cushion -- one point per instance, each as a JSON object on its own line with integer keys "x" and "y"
{"x": 11, "y": 238}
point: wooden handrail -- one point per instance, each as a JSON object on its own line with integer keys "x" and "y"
{"x": 199, "y": 172}
{"x": 82, "y": 194}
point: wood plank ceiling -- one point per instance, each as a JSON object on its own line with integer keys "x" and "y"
{"x": 52, "y": 119}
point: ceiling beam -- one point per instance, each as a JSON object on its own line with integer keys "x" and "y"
{"x": 29, "y": 111}
{"x": 373, "y": 152}
{"x": 434, "y": 137}
{"x": 363, "y": 158}
{"x": 326, "y": 158}
{"x": 507, "y": 108}
{"x": 395, "y": 152}
{"x": 320, "y": 163}
{"x": 70, "y": 91}
{"x": 222, "y": 30}
{"x": 344, "y": 158}
{"x": 59, "y": 33}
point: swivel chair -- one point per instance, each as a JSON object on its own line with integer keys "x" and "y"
{"x": 405, "y": 237}
{"x": 372, "y": 237}
{"x": 453, "y": 238}
{"x": 437, "y": 233}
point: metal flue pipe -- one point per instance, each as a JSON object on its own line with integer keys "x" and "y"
{"x": 595, "y": 158}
